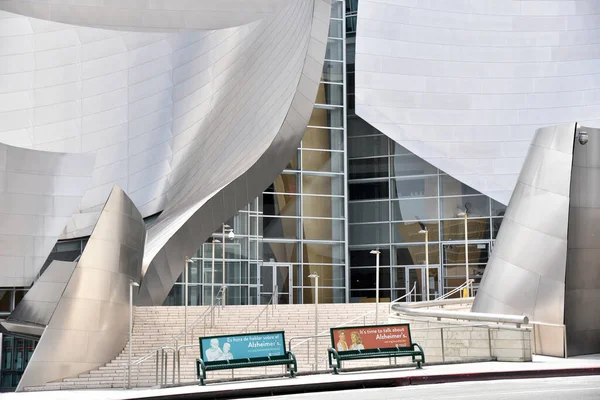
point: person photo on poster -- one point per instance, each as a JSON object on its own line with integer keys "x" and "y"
{"x": 356, "y": 341}
{"x": 342, "y": 345}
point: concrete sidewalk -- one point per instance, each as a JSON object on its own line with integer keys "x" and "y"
{"x": 539, "y": 368}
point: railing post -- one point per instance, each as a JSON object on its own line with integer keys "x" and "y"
{"x": 490, "y": 341}
{"x": 179, "y": 366}
{"x": 156, "y": 375}
{"x": 443, "y": 351}
{"x": 173, "y": 377}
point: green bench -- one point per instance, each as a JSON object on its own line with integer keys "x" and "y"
{"x": 377, "y": 341}
{"x": 262, "y": 349}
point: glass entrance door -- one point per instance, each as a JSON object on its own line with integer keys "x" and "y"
{"x": 415, "y": 277}
{"x": 272, "y": 276}
{"x": 454, "y": 262}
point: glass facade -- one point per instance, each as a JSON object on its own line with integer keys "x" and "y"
{"x": 298, "y": 225}
{"x": 393, "y": 195}
{"x": 16, "y": 353}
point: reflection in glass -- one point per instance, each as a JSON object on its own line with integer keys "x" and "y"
{"x": 284, "y": 183}
{"x": 411, "y": 165}
{"x": 415, "y": 187}
{"x": 369, "y": 234}
{"x": 322, "y": 206}
{"x": 477, "y": 206}
{"x": 316, "y": 184}
{"x": 455, "y": 253}
{"x": 415, "y": 254}
{"x": 368, "y": 146}
{"x": 323, "y": 229}
{"x": 330, "y": 93}
{"x": 498, "y": 209}
{"x": 363, "y": 257}
{"x": 322, "y": 161}
{"x": 276, "y": 227}
{"x": 368, "y": 168}
{"x": 414, "y": 209}
{"x": 334, "y": 50}
{"x": 323, "y": 138}
{"x": 327, "y": 116}
{"x": 359, "y": 127}
{"x": 408, "y": 232}
{"x": 316, "y": 253}
{"x": 333, "y": 71}
{"x": 280, "y": 252}
{"x": 369, "y": 190}
{"x": 455, "y": 229}
{"x": 281, "y": 204}
{"x": 369, "y": 211}
{"x": 453, "y": 187}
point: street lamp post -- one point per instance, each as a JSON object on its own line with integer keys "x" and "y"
{"x": 464, "y": 214}
{"x": 231, "y": 235}
{"x": 185, "y": 296}
{"x": 132, "y": 284}
{"x": 316, "y": 278}
{"x": 212, "y": 285}
{"x": 376, "y": 252}
{"x": 426, "y": 233}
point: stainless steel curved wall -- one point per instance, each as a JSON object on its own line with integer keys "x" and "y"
{"x": 582, "y": 281}
{"x": 465, "y": 84}
{"x": 274, "y": 134}
{"x": 90, "y": 324}
{"x": 39, "y": 191}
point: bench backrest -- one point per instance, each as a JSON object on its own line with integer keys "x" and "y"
{"x": 371, "y": 337}
{"x": 245, "y": 346}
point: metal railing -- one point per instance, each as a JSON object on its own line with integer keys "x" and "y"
{"x": 459, "y": 289}
{"x": 325, "y": 333}
{"x": 172, "y": 344}
{"x": 272, "y": 303}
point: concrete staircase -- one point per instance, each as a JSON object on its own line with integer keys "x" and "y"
{"x": 155, "y": 327}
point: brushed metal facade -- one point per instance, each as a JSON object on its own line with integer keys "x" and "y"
{"x": 543, "y": 263}
{"x": 90, "y": 324}
{"x": 148, "y": 15}
{"x": 465, "y": 84}
{"x": 40, "y": 301}
{"x": 582, "y": 281}
{"x": 39, "y": 191}
{"x": 204, "y": 200}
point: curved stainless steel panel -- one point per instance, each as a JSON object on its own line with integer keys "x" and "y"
{"x": 464, "y": 85}
{"x": 144, "y": 15}
{"x": 200, "y": 205}
{"x": 40, "y": 301}
{"x": 39, "y": 191}
{"x": 90, "y": 324}
{"x": 526, "y": 272}
{"x": 582, "y": 284}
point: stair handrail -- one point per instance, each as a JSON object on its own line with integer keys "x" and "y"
{"x": 175, "y": 337}
{"x": 345, "y": 323}
{"x": 273, "y": 303}
{"x": 455, "y": 290}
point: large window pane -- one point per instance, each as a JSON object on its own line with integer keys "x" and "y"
{"x": 365, "y": 278}
{"x": 368, "y": 168}
{"x": 477, "y": 206}
{"x": 371, "y": 211}
{"x": 337, "y": 9}
{"x": 367, "y": 146}
{"x": 453, "y": 187}
{"x": 415, "y": 254}
{"x": 331, "y": 185}
{"x": 5, "y": 300}
{"x": 411, "y": 165}
{"x": 408, "y": 232}
{"x": 280, "y": 252}
{"x": 284, "y": 183}
{"x": 334, "y": 50}
{"x": 455, "y": 253}
{"x": 455, "y": 229}
{"x": 329, "y": 275}
{"x": 369, "y": 234}
{"x": 415, "y": 187}
{"x": 369, "y": 190}
{"x": 364, "y": 258}
{"x": 331, "y": 94}
{"x": 336, "y": 28}
{"x": 498, "y": 209}
{"x": 316, "y": 253}
{"x": 359, "y": 127}
{"x": 275, "y": 227}
{"x": 281, "y": 204}
{"x": 324, "y": 207}
{"x": 323, "y": 138}
{"x": 414, "y": 209}
{"x": 327, "y": 117}
{"x": 333, "y": 71}
{"x": 323, "y": 229}
{"x": 322, "y": 161}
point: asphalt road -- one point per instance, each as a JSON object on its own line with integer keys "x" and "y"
{"x": 572, "y": 388}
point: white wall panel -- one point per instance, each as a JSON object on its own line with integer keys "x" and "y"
{"x": 456, "y": 82}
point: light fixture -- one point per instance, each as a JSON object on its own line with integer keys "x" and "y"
{"x": 375, "y": 252}
{"x": 582, "y": 137}
{"x": 231, "y": 235}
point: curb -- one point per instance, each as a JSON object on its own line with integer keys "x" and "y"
{"x": 378, "y": 383}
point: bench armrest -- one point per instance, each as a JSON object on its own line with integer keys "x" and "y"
{"x": 419, "y": 346}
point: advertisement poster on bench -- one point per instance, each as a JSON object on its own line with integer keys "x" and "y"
{"x": 370, "y": 337}
{"x": 222, "y": 348}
